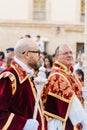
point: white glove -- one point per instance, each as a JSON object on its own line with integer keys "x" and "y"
{"x": 31, "y": 124}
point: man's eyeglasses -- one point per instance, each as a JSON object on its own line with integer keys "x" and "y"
{"x": 38, "y": 52}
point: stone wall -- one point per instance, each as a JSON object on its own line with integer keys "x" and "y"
{"x": 53, "y": 34}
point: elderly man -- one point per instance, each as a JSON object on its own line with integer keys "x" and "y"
{"x": 62, "y": 107}
{"x": 17, "y": 90}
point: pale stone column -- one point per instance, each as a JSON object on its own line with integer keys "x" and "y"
{"x": 30, "y": 10}
{"x": 85, "y": 59}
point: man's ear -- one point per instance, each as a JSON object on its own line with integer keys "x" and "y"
{"x": 26, "y": 54}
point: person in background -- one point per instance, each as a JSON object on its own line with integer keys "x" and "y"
{"x": 41, "y": 60}
{"x": 10, "y": 52}
{"x": 48, "y": 64}
{"x": 80, "y": 74}
{"x": 79, "y": 64}
{"x": 2, "y": 57}
{"x": 60, "y": 96}
{"x": 25, "y": 36}
{"x": 53, "y": 58}
{"x": 7, "y": 62}
{"x": 18, "y": 92}
{"x": 40, "y": 43}
{"x": 28, "y": 36}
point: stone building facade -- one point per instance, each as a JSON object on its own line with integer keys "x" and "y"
{"x": 55, "y": 21}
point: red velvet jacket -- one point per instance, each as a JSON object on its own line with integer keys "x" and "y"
{"x": 58, "y": 94}
{"x": 17, "y": 99}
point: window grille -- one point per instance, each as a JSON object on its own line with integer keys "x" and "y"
{"x": 39, "y": 9}
{"x": 82, "y": 10}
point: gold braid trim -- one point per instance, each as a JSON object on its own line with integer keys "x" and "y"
{"x": 59, "y": 97}
{"x": 39, "y": 109}
{"x": 68, "y": 109}
{"x": 22, "y": 75}
{"x": 12, "y": 78}
{"x": 10, "y": 118}
{"x": 48, "y": 115}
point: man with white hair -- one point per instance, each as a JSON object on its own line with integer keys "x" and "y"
{"x": 61, "y": 95}
{"x": 17, "y": 90}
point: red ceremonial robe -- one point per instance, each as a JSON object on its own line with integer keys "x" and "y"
{"x": 58, "y": 94}
{"x": 17, "y": 99}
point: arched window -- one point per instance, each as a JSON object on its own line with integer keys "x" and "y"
{"x": 39, "y": 9}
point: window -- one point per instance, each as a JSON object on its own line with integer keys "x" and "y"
{"x": 82, "y": 6}
{"x": 39, "y": 9}
{"x": 82, "y": 10}
{"x": 79, "y": 47}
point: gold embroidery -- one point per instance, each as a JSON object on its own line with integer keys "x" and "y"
{"x": 22, "y": 75}
{"x": 68, "y": 109}
{"x": 12, "y": 78}
{"x": 40, "y": 112}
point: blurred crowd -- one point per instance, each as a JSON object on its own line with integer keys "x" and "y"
{"x": 47, "y": 61}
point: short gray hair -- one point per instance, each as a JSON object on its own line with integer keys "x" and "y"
{"x": 23, "y": 45}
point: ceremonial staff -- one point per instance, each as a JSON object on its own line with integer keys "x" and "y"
{"x": 40, "y": 81}
{"x": 84, "y": 91}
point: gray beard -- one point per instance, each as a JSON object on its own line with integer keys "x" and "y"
{"x": 33, "y": 65}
